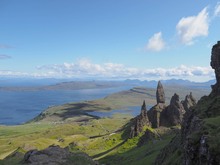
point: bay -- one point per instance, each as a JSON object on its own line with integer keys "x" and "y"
{"x": 17, "y": 107}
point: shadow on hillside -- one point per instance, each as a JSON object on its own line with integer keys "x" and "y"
{"x": 79, "y": 109}
{"x": 106, "y": 152}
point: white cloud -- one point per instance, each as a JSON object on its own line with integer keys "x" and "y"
{"x": 156, "y": 42}
{"x": 217, "y": 10}
{"x": 189, "y": 28}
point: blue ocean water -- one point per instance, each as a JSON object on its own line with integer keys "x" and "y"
{"x": 17, "y": 107}
{"x": 133, "y": 110}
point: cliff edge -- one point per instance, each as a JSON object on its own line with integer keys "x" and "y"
{"x": 199, "y": 140}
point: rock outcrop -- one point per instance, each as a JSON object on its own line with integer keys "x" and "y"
{"x": 160, "y": 95}
{"x": 173, "y": 114}
{"x": 140, "y": 122}
{"x": 189, "y": 102}
{"x": 215, "y": 64}
{"x": 200, "y": 135}
{"x": 154, "y": 113}
{"x": 54, "y": 155}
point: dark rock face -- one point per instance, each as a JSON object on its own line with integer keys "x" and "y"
{"x": 175, "y": 111}
{"x": 53, "y": 155}
{"x": 189, "y": 102}
{"x": 160, "y": 95}
{"x": 215, "y": 64}
{"x": 196, "y": 142}
{"x": 140, "y": 121}
{"x": 154, "y": 114}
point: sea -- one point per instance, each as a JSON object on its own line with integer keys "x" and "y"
{"x": 18, "y": 107}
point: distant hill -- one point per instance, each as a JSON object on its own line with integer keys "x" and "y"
{"x": 18, "y": 84}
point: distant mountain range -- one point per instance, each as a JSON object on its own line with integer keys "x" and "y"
{"x": 72, "y": 84}
{"x": 172, "y": 82}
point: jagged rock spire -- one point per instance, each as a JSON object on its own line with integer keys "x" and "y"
{"x": 175, "y": 110}
{"x": 144, "y": 106}
{"x": 140, "y": 121}
{"x": 160, "y": 95}
{"x": 189, "y": 102}
{"x": 144, "y": 110}
{"x": 175, "y": 99}
{"x": 215, "y": 64}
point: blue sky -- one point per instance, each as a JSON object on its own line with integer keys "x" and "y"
{"x": 111, "y": 39}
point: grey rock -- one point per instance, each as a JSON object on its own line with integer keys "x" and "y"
{"x": 175, "y": 111}
{"x": 189, "y": 102}
{"x": 140, "y": 121}
{"x": 53, "y": 155}
{"x": 215, "y": 64}
{"x": 160, "y": 95}
{"x": 154, "y": 114}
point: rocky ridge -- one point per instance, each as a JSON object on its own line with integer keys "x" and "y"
{"x": 198, "y": 143}
{"x": 201, "y": 123}
{"x": 160, "y": 114}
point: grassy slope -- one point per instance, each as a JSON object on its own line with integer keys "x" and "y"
{"x": 42, "y": 135}
{"x": 131, "y": 153}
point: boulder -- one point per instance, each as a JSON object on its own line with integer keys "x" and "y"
{"x": 54, "y": 155}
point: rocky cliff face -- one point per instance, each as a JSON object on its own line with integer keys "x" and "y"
{"x": 200, "y": 133}
{"x": 173, "y": 114}
{"x": 215, "y": 64}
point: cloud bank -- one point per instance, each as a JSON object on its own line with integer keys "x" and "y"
{"x": 86, "y": 69}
